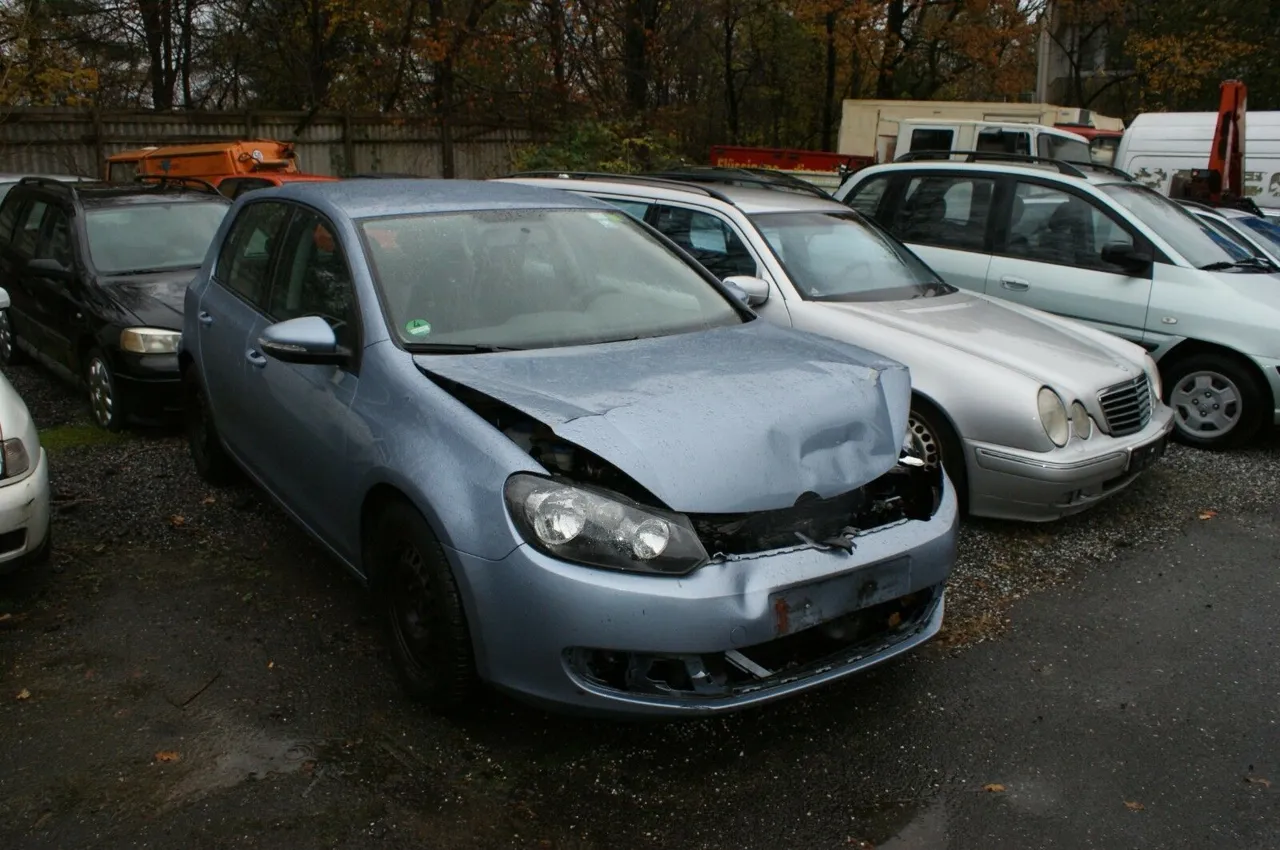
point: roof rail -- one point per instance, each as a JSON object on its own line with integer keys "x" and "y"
{"x": 1064, "y": 167}
{"x": 626, "y": 178}
{"x": 165, "y": 180}
{"x": 758, "y": 177}
{"x": 1110, "y": 169}
{"x": 49, "y": 183}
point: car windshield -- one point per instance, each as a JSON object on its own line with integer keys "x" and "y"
{"x": 1267, "y": 232}
{"x": 833, "y": 256}
{"x": 533, "y": 278}
{"x": 1197, "y": 242}
{"x": 148, "y": 237}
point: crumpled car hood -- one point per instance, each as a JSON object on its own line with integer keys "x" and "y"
{"x": 737, "y": 419}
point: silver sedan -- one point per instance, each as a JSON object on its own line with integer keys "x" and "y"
{"x": 1034, "y": 417}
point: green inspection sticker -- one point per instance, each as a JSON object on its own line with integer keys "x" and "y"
{"x": 417, "y": 327}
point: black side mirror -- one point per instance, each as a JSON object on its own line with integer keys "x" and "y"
{"x": 48, "y": 267}
{"x": 1127, "y": 257}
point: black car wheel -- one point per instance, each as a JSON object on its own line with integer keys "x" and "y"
{"x": 427, "y": 626}
{"x": 1217, "y": 401}
{"x": 211, "y": 460}
{"x": 932, "y": 440}
{"x": 10, "y": 354}
{"x": 105, "y": 404}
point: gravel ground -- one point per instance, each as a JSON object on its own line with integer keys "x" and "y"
{"x": 185, "y": 639}
{"x": 140, "y": 490}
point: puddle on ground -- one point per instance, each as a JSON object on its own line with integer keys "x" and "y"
{"x": 914, "y": 825}
{"x": 227, "y": 755}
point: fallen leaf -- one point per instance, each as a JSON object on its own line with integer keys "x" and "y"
{"x": 167, "y": 755}
{"x": 1133, "y": 806}
{"x": 177, "y": 520}
{"x": 4, "y": 617}
{"x": 895, "y": 619}
{"x": 99, "y": 547}
{"x": 1208, "y": 514}
{"x": 209, "y": 500}
{"x": 270, "y": 664}
{"x": 24, "y": 694}
{"x": 1258, "y": 780}
{"x": 994, "y": 787}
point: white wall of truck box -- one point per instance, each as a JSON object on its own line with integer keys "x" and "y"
{"x": 1159, "y": 145}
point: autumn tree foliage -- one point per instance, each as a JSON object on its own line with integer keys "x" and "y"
{"x": 653, "y": 75}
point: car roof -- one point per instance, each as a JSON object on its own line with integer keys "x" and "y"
{"x": 1090, "y": 173}
{"x": 65, "y": 178}
{"x": 369, "y": 198}
{"x": 750, "y": 199}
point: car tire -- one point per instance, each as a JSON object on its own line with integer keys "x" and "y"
{"x": 936, "y": 442}
{"x": 105, "y": 405}
{"x": 1217, "y": 401}
{"x": 426, "y": 623}
{"x": 211, "y": 460}
{"x": 10, "y": 353}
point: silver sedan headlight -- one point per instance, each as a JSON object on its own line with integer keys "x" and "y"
{"x": 1053, "y": 416}
{"x": 150, "y": 340}
{"x": 1081, "y": 425}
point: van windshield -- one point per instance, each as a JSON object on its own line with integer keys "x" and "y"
{"x": 1195, "y": 240}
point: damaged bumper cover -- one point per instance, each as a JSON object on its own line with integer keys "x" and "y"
{"x": 740, "y": 631}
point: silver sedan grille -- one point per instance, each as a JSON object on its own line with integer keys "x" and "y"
{"x": 1126, "y": 407}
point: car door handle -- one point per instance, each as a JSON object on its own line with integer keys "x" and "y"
{"x": 204, "y": 319}
{"x": 1016, "y": 284}
{"x": 255, "y": 358}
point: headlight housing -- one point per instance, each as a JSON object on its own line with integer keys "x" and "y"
{"x": 14, "y": 458}
{"x": 1053, "y": 416}
{"x": 1081, "y": 424}
{"x": 1153, "y": 376}
{"x": 150, "y": 341}
{"x": 601, "y": 529}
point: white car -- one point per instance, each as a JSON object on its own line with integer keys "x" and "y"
{"x": 24, "y": 481}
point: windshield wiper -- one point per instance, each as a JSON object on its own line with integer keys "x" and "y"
{"x": 454, "y": 348}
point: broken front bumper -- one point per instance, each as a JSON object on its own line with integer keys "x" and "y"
{"x": 731, "y": 634}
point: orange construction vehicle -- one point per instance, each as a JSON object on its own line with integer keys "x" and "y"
{"x": 1222, "y": 183}
{"x": 232, "y": 167}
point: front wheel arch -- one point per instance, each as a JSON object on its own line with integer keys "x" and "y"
{"x": 924, "y": 409}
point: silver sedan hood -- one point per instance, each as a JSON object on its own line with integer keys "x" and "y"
{"x": 1040, "y": 346}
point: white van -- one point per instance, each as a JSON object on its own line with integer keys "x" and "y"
{"x": 931, "y": 134}
{"x": 1157, "y": 146}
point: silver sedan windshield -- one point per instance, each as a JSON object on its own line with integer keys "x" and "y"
{"x": 838, "y": 257}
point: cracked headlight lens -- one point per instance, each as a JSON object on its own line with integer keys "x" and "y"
{"x": 601, "y": 529}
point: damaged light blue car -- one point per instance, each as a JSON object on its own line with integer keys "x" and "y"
{"x": 572, "y": 464}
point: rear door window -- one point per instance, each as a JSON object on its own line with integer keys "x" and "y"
{"x": 947, "y": 211}
{"x": 29, "y": 223}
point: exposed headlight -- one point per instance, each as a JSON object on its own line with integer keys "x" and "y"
{"x": 601, "y": 529}
{"x": 1081, "y": 425}
{"x": 150, "y": 340}
{"x": 1153, "y": 375}
{"x": 1053, "y": 416}
{"x": 13, "y": 454}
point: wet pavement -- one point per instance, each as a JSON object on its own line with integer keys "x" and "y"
{"x": 195, "y": 673}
